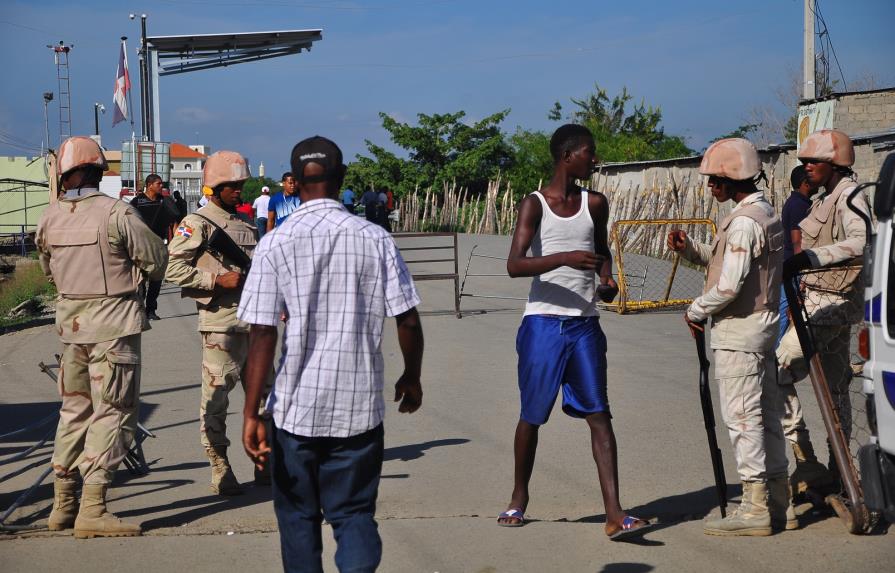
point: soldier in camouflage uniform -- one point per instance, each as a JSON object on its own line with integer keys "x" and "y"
{"x": 215, "y": 282}
{"x": 833, "y": 236}
{"x": 98, "y": 252}
{"x": 741, "y": 295}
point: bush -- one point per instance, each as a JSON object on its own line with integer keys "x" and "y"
{"x": 26, "y": 283}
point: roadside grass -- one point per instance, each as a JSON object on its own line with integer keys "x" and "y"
{"x": 26, "y": 283}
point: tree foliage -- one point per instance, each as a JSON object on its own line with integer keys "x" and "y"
{"x": 440, "y": 149}
{"x": 742, "y": 131}
{"x": 251, "y": 189}
{"x": 444, "y": 148}
{"x": 624, "y": 136}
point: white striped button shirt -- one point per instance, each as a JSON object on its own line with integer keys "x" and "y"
{"x": 338, "y": 277}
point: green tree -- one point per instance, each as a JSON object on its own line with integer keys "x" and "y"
{"x": 624, "y": 136}
{"x": 251, "y": 189}
{"x": 532, "y": 163}
{"x": 440, "y": 149}
{"x": 742, "y": 131}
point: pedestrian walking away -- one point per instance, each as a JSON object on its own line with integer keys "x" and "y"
{"x": 348, "y": 200}
{"x": 742, "y": 297}
{"x": 832, "y": 235}
{"x": 284, "y": 203}
{"x": 160, "y": 214}
{"x": 327, "y": 402}
{"x": 209, "y": 258}
{"x": 560, "y": 343}
{"x": 98, "y": 252}
{"x": 260, "y": 206}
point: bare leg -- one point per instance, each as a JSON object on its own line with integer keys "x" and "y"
{"x": 602, "y": 440}
{"x": 525, "y": 445}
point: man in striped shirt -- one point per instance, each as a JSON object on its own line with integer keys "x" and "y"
{"x": 336, "y": 277}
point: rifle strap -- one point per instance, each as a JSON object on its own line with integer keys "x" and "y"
{"x": 218, "y": 227}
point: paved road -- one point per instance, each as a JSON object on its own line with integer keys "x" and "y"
{"x": 448, "y": 468}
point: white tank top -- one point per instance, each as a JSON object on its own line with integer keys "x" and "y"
{"x": 563, "y": 291}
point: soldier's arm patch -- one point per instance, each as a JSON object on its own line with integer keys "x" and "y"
{"x": 184, "y": 231}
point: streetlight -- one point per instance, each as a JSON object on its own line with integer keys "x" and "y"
{"x": 48, "y": 97}
{"x": 97, "y": 107}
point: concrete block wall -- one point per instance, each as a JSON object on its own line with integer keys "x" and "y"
{"x": 865, "y": 113}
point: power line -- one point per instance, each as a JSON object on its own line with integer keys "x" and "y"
{"x": 822, "y": 31}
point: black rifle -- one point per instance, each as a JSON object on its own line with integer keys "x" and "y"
{"x": 708, "y": 416}
{"x": 223, "y": 244}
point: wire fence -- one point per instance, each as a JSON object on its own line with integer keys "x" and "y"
{"x": 827, "y": 312}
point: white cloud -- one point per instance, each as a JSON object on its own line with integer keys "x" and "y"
{"x": 194, "y": 115}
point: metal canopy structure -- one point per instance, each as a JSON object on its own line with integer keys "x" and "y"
{"x": 181, "y": 54}
{"x": 169, "y": 55}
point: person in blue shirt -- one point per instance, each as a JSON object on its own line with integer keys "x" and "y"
{"x": 348, "y": 199}
{"x": 794, "y": 210}
{"x": 283, "y": 203}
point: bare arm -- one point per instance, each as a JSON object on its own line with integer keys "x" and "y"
{"x": 410, "y": 338}
{"x": 796, "y": 237}
{"x": 519, "y": 264}
{"x": 271, "y": 220}
{"x": 262, "y": 346}
{"x": 599, "y": 211}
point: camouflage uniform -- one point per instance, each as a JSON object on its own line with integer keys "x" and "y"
{"x": 742, "y": 338}
{"x": 833, "y": 299}
{"x": 99, "y": 374}
{"x": 224, "y": 337}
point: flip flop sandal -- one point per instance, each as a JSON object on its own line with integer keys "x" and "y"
{"x": 630, "y": 528}
{"x": 514, "y": 513}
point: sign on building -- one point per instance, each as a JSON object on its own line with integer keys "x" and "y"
{"x": 814, "y": 117}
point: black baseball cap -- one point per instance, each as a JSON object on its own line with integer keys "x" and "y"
{"x": 321, "y": 151}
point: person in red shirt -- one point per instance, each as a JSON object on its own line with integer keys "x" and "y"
{"x": 245, "y": 211}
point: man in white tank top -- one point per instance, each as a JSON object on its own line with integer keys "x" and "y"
{"x": 560, "y": 343}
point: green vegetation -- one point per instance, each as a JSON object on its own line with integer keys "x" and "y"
{"x": 252, "y": 188}
{"x": 443, "y": 150}
{"x": 26, "y": 283}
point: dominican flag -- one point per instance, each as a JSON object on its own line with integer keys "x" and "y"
{"x": 122, "y": 86}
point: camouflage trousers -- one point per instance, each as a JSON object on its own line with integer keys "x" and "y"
{"x": 224, "y": 358}
{"x": 100, "y": 388}
{"x": 223, "y": 361}
{"x": 832, "y": 346}
{"x": 752, "y": 409}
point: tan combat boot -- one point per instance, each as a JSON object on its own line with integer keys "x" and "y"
{"x": 809, "y": 473}
{"x": 783, "y": 514}
{"x": 750, "y": 518}
{"x": 65, "y": 504}
{"x": 94, "y": 520}
{"x": 223, "y": 482}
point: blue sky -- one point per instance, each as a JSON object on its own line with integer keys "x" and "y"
{"x": 706, "y": 63}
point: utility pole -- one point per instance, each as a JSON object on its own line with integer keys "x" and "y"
{"x": 48, "y": 97}
{"x": 145, "y": 113}
{"x": 97, "y": 107}
{"x": 808, "y": 79}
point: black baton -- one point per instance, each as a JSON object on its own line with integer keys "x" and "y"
{"x": 708, "y": 416}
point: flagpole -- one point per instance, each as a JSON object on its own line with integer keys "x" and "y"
{"x": 130, "y": 95}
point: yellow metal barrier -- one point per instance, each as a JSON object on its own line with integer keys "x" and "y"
{"x": 624, "y": 304}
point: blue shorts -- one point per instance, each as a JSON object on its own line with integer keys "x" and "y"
{"x": 562, "y": 351}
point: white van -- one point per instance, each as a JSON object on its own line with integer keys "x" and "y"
{"x": 877, "y": 341}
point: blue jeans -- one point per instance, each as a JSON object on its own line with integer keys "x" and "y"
{"x": 784, "y": 316}
{"x": 335, "y": 478}
{"x": 261, "y": 223}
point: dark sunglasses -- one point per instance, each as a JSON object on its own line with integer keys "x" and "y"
{"x": 807, "y": 160}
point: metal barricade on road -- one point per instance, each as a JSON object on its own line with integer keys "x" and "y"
{"x": 452, "y": 276}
